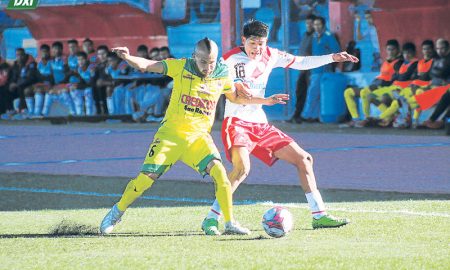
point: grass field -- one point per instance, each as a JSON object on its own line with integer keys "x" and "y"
{"x": 44, "y": 230}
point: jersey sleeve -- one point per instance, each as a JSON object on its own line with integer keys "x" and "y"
{"x": 173, "y": 67}
{"x": 282, "y": 58}
{"x": 228, "y": 86}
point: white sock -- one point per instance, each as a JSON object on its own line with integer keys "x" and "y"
{"x": 316, "y": 204}
{"x": 89, "y": 101}
{"x": 214, "y": 212}
{"x": 77, "y": 97}
{"x": 67, "y": 100}
{"x": 48, "y": 103}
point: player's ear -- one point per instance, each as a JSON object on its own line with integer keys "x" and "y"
{"x": 243, "y": 39}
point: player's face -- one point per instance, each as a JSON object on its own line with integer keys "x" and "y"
{"x": 113, "y": 62}
{"x": 254, "y": 46}
{"x": 81, "y": 61}
{"x": 73, "y": 48}
{"x": 408, "y": 55}
{"x": 309, "y": 25}
{"x": 206, "y": 63}
{"x": 427, "y": 51}
{"x": 45, "y": 54}
{"x": 154, "y": 55}
{"x": 369, "y": 19}
{"x": 20, "y": 56}
{"x": 56, "y": 51}
{"x": 441, "y": 49}
{"x": 318, "y": 26}
{"x": 391, "y": 52}
{"x": 102, "y": 55}
{"x": 88, "y": 47}
{"x": 164, "y": 54}
{"x": 142, "y": 53}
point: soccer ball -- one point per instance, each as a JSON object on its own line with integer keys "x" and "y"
{"x": 277, "y": 221}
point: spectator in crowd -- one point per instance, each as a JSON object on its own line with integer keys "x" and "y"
{"x": 72, "y": 58}
{"x": 23, "y": 76}
{"x": 164, "y": 53}
{"x": 100, "y": 76}
{"x": 371, "y": 32}
{"x": 389, "y": 68}
{"x": 383, "y": 96}
{"x": 45, "y": 79}
{"x": 115, "y": 87}
{"x": 88, "y": 48}
{"x": 5, "y": 95}
{"x": 81, "y": 91}
{"x": 154, "y": 54}
{"x": 323, "y": 43}
{"x": 61, "y": 74}
{"x": 304, "y": 77}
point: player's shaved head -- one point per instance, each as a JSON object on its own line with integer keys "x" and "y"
{"x": 205, "y": 56}
{"x": 206, "y": 46}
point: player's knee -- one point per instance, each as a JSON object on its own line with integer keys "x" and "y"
{"x": 365, "y": 93}
{"x": 241, "y": 170}
{"x": 144, "y": 181}
{"x": 28, "y": 92}
{"x": 305, "y": 162}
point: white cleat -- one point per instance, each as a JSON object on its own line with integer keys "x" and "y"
{"x": 110, "y": 220}
{"x": 235, "y": 228}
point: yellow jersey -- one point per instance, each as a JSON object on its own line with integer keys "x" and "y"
{"x": 191, "y": 111}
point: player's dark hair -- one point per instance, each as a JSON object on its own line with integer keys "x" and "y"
{"x": 428, "y": 42}
{"x": 142, "y": 48}
{"x": 113, "y": 55}
{"x": 57, "y": 44}
{"x": 321, "y": 19}
{"x": 206, "y": 42}
{"x": 368, "y": 12}
{"x": 164, "y": 48}
{"x": 311, "y": 17}
{"x": 44, "y": 47}
{"x": 445, "y": 42}
{"x": 20, "y": 50}
{"x": 82, "y": 54}
{"x": 409, "y": 47}
{"x": 88, "y": 40}
{"x": 72, "y": 41}
{"x": 255, "y": 28}
{"x": 103, "y": 47}
{"x": 156, "y": 49}
{"x": 393, "y": 42}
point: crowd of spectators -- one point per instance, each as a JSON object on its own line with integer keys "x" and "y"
{"x": 85, "y": 81}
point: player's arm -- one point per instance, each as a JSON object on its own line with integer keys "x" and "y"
{"x": 239, "y": 99}
{"x": 287, "y": 60}
{"x": 139, "y": 63}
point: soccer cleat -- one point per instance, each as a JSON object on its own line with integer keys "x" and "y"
{"x": 349, "y": 124}
{"x": 328, "y": 221}
{"x": 235, "y": 228}
{"x": 210, "y": 226}
{"x": 110, "y": 220}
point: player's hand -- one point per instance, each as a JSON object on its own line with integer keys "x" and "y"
{"x": 122, "y": 52}
{"x": 277, "y": 99}
{"x": 243, "y": 90}
{"x": 344, "y": 57}
{"x": 357, "y": 18}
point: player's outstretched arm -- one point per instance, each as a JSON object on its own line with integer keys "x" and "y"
{"x": 310, "y": 62}
{"x": 142, "y": 64}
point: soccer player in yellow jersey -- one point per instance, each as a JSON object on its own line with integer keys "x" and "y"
{"x": 184, "y": 131}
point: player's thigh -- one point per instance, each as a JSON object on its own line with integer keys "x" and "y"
{"x": 383, "y": 91}
{"x": 240, "y": 158}
{"x": 293, "y": 154}
{"x": 163, "y": 152}
{"x": 200, "y": 151}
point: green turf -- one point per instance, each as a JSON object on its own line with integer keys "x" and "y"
{"x": 383, "y": 235}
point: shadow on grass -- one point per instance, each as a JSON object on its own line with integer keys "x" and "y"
{"x": 24, "y": 191}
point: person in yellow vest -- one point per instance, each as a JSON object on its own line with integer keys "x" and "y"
{"x": 388, "y": 69}
{"x": 421, "y": 81}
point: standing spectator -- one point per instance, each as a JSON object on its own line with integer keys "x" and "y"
{"x": 303, "y": 79}
{"x": 99, "y": 77}
{"x": 323, "y": 43}
{"x": 154, "y": 54}
{"x": 370, "y": 35}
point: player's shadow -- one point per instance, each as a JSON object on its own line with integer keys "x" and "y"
{"x": 95, "y": 235}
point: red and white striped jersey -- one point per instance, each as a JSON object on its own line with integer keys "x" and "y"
{"x": 255, "y": 74}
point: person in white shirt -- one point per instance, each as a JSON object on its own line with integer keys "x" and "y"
{"x": 245, "y": 129}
